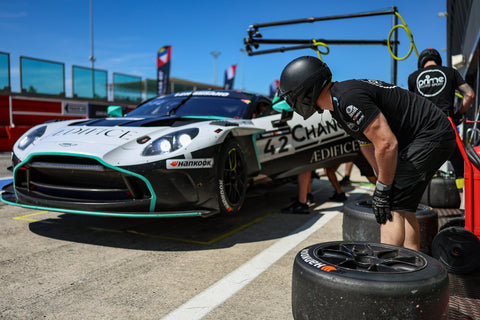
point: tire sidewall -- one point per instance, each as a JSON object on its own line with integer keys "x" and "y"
{"x": 225, "y": 204}
{"x": 336, "y": 292}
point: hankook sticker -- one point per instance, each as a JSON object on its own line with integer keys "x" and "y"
{"x": 307, "y": 258}
{"x": 189, "y": 163}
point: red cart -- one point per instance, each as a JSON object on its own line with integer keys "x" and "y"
{"x": 458, "y": 247}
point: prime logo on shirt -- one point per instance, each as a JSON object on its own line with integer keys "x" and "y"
{"x": 431, "y": 82}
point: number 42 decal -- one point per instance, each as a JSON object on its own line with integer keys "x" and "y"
{"x": 271, "y": 147}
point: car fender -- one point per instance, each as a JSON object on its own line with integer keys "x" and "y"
{"x": 246, "y": 137}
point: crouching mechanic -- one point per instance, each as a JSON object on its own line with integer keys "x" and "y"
{"x": 410, "y": 137}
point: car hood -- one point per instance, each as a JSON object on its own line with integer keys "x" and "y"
{"x": 121, "y": 141}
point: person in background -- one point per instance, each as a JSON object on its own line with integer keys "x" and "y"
{"x": 348, "y": 172}
{"x": 366, "y": 170}
{"x": 304, "y": 195}
{"x": 338, "y": 195}
{"x": 438, "y": 84}
{"x": 364, "y": 167}
{"x": 304, "y": 180}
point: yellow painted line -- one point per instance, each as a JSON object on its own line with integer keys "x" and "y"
{"x": 25, "y": 217}
{"x": 239, "y": 228}
{"x": 223, "y": 236}
{"x": 148, "y": 235}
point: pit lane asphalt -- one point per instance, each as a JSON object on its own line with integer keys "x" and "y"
{"x": 64, "y": 266}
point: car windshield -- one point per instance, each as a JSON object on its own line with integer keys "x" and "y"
{"x": 192, "y": 105}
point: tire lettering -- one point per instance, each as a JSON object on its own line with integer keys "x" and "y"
{"x": 307, "y": 258}
{"x": 222, "y": 196}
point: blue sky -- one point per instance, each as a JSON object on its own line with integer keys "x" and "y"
{"x": 128, "y": 34}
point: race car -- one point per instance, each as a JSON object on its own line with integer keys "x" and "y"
{"x": 189, "y": 153}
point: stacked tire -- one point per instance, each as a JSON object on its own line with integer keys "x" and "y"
{"x": 442, "y": 192}
{"x": 359, "y": 223}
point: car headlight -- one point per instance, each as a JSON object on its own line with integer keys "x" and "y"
{"x": 170, "y": 142}
{"x": 31, "y": 137}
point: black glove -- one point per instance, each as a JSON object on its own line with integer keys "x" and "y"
{"x": 381, "y": 203}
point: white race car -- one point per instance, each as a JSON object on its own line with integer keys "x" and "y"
{"x": 184, "y": 154}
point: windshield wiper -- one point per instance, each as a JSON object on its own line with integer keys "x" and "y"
{"x": 174, "y": 109}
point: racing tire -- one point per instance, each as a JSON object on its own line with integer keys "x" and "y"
{"x": 453, "y": 222}
{"x": 231, "y": 178}
{"x": 441, "y": 192}
{"x": 359, "y": 280}
{"x": 359, "y": 223}
{"x": 458, "y": 249}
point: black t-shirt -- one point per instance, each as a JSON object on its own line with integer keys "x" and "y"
{"x": 437, "y": 84}
{"x": 409, "y": 116}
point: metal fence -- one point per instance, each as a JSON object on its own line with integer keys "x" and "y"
{"x": 40, "y": 77}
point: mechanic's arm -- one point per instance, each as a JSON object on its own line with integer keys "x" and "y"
{"x": 385, "y": 147}
{"x": 468, "y": 97}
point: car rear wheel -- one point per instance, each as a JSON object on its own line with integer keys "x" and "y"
{"x": 365, "y": 280}
{"x": 232, "y": 178}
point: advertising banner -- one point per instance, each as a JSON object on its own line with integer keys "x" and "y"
{"x": 163, "y": 69}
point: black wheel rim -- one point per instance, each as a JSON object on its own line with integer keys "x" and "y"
{"x": 234, "y": 177}
{"x": 371, "y": 257}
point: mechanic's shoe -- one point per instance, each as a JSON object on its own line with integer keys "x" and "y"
{"x": 345, "y": 181}
{"x": 310, "y": 199}
{"x": 296, "y": 207}
{"x": 338, "y": 197}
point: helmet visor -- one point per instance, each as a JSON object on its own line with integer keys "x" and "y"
{"x": 303, "y": 98}
{"x": 301, "y": 103}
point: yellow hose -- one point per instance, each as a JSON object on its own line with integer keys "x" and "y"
{"x": 318, "y": 43}
{"x": 409, "y": 33}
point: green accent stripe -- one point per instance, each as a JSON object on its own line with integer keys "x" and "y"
{"x": 153, "y": 199}
{"x": 254, "y": 137}
{"x": 111, "y": 214}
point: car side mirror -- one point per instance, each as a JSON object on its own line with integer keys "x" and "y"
{"x": 115, "y": 111}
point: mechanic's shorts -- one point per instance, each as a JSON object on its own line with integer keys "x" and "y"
{"x": 416, "y": 165}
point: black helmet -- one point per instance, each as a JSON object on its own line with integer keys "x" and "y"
{"x": 301, "y": 83}
{"x": 429, "y": 54}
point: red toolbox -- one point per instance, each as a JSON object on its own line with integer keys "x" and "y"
{"x": 471, "y": 156}
{"x": 458, "y": 248}
{"x": 472, "y": 189}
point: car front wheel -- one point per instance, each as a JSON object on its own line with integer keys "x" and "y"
{"x": 231, "y": 178}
